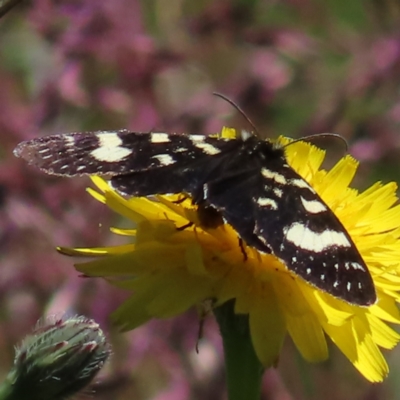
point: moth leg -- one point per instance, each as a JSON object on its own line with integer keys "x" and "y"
{"x": 181, "y": 200}
{"x": 204, "y": 310}
{"x": 242, "y": 248}
{"x": 183, "y": 227}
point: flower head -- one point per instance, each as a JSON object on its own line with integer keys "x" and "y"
{"x": 58, "y": 359}
{"x": 170, "y": 270}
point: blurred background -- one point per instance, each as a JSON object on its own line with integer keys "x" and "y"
{"x": 296, "y": 67}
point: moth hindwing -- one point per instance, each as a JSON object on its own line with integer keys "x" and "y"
{"x": 246, "y": 180}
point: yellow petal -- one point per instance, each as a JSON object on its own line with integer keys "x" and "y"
{"x": 267, "y": 328}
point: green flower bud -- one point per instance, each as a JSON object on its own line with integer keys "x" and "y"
{"x": 56, "y": 360}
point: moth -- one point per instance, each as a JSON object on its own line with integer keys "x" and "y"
{"x": 246, "y": 181}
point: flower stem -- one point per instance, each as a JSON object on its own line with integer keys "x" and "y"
{"x": 6, "y": 390}
{"x": 243, "y": 369}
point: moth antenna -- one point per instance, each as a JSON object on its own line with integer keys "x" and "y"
{"x": 234, "y": 105}
{"x": 311, "y": 138}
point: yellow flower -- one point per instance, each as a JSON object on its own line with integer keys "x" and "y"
{"x": 170, "y": 270}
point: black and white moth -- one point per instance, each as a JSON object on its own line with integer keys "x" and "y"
{"x": 247, "y": 181}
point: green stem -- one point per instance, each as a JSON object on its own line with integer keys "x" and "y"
{"x": 243, "y": 369}
{"x": 6, "y": 390}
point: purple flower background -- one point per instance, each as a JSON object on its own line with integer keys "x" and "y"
{"x": 296, "y": 67}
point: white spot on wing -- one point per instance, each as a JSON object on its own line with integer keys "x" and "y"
{"x": 278, "y": 178}
{"x": 110, "y": 149}
{"x": 301, "y": 236}
{"x": 301, "y": 183}
{"x": 278, "y": 192}
{"x": 205, "y": 191}
{"x": 164, "y": 159}
{"x": 313, "y": 206}
{"x": 266, "y": 202}
{"x": 197, "y": 138}
{"x": 354, "y": 265}
{"x": 69, "y": 140}
{"x": 207, "y": 147}
{"x": 159, "y": 138}
{"x": 244, "y": 135}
